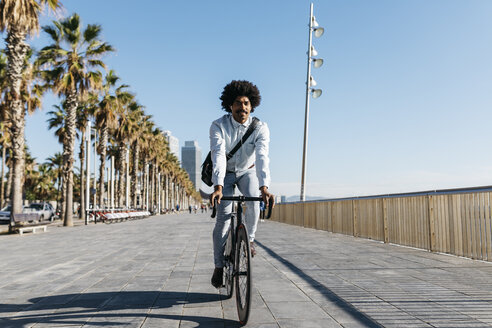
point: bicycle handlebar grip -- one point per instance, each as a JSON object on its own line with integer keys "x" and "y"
{"x": 214, "y": 209}
{"x": 270, "y": 206}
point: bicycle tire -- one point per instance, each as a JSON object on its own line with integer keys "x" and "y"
{"x": 243, "y": 275}
{"x": 229, "y": 265}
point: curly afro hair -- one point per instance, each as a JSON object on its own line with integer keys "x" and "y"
{"x": 239, "y": 89}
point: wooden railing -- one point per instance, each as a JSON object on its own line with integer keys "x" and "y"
{"x": 455, "y": 221}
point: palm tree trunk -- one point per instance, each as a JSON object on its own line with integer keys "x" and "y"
{"x": 134, "y": 181}
{"x": 102, "y": 158}
{"x": 167, "y": 192}
{"x": 173, "y": 195}
{"x": 152, "y": 187}
{"x": 121, "y": 181}
{"x": 16, "y": 53}
{"x": 82, "y": 176}
{"x": 2, "y": 185}
{"x": 144, "y": 182}
{"x": 68, "y": 155}
{"x": 59, "y": 197}
{"x": 8, "y": 188}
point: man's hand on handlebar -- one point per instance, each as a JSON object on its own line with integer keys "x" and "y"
{"x": 267, "y": 197}
{"x": 216, "y": 195}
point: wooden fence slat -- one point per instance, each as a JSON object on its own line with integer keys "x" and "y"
{"x": 385, "y": 220}
{"x": 466, "y": 224}
{"x": 440, "y": 225}
{"x": 448, "y": 223}
{"x": 488, "y": 230}
{"x": 458, "y": 246}
{"x": 421, "y": 225}
{"x": 355, "y": 223}
{"x": 483, "y": 238}
{"x": 473, "y": 223}
{"x": 432, "y": 232}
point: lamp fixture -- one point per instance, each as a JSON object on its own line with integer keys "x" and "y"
{"x": 313, "y": 51}
{"x": 319, "y": 31}
{"x": 315, "y": 23}
{"x": 312, "y": 82}
{"x": 316, "y": 93}
{"x": 318, "y": 62}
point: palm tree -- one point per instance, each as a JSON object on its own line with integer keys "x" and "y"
{"x": 19, "y": 18}
{"x": 124, "y": 134}
{"x": 136, "y": 121}
{"x": 31, "y": 175}
{"x": 83, "y": 114}
{"x": 57, "y": 121}
{"x": 45, "y": 188}
{"x": 71, "y": 75}
{"x": 106, "y": 115}
{"x": 54, "y": 164}
{"x": 4, "y": 142}
{"x": 4, "y": 128}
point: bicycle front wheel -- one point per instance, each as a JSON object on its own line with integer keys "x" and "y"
{"x": 229, "y": 264}
{"x": 243, "y": 275}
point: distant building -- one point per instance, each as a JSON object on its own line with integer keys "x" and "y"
{"x": 283, "y": 199}
{"x": 173, "y": 143}
{"x": 191, "y": 161}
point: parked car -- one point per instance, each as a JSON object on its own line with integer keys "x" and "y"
{"x": 5, "y": 215}
{"x": 46, "y": 211}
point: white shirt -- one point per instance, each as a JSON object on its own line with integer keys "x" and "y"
{"x": 225, "y": 133}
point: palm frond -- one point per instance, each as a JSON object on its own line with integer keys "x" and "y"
{"x": 100, "y": 50}
{"x": 52, "y": 32}
{"x": 92, "y": 32}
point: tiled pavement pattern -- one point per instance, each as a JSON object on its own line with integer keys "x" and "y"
{"x": 156, "y": 272}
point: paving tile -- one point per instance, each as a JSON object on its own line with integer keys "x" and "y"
{"x": 295, "y": 310}
{"x": 309, "y": 323}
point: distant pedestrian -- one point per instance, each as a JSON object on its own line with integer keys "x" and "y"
{"x": 262, "y": 211}
{"x": 190, "y": 208}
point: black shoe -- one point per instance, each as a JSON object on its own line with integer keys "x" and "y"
{"x": 217, "y": 277}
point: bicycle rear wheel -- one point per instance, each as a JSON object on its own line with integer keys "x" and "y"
{"x": 243, "y": 275}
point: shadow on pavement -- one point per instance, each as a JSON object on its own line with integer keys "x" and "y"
{"x": 362, "y": 318}
{"x": 109, "y": 309}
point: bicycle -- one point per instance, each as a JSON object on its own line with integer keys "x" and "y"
{"x": 237, "y": 254}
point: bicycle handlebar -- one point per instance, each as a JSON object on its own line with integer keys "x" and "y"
{"x": 243, "y": 199}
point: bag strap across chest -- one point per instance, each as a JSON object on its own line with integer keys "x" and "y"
{"x": 250, "y": 130}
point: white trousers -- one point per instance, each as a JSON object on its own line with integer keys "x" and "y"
{"x": 247, "y": 184}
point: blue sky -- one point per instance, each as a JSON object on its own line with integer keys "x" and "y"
{"x": 407, "y": 85}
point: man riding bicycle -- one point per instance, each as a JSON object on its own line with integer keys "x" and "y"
{"x": 248, "y": 168}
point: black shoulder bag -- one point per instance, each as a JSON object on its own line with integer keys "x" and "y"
{"x": 207, "y": 164}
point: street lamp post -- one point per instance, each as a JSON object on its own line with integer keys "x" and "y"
{"x": 318, "y": 31}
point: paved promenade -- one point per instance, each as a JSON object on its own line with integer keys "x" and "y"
{"x": 156, "y": 272}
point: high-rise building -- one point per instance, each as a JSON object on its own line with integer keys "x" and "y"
{"x": 173, "y": 143}
{"x": 191, "y": 161}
